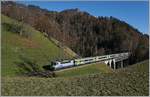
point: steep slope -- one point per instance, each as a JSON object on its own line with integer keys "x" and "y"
{"x": 16, "y": 48}
{"x": 132, "y": 81}
{"x": 68, "y": 52}
{"x": 83, "y": 33}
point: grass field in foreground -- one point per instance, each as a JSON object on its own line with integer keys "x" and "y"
{"x": 84, "y": 70}
{"x": 130, "y": 81}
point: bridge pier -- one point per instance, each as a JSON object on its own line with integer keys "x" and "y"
{"x": 122, "y": 64}
{"x": 110, "y": 63}
{"x": 116, "y": 60}
{"x": 114, "y": 63}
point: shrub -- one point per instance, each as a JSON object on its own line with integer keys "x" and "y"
{"x": 20, "y": 29}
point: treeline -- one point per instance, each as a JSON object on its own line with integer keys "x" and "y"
{"x": 83, "y": 33}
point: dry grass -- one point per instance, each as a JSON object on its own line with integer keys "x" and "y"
{"x": 132, "y": 81}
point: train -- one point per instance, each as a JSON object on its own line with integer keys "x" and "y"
{"x": 81, "y": 61}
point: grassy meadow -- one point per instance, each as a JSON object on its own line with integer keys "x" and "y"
{"x": 130, "y": 81}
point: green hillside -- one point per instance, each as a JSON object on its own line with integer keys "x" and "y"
{"x": 84, "y": 70}
{"x": 36, "y": 48}
{"x": 133, "y": 81}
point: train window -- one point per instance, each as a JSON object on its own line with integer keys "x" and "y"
{"x": 66, "y": 61}
{"x": 101, "y": 57}
{"x": 88, "y": 60}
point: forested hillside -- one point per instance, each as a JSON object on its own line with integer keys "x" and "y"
{"x": 85, "y": 34}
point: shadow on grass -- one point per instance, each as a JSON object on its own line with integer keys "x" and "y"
{"x": 31, "y": 68}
